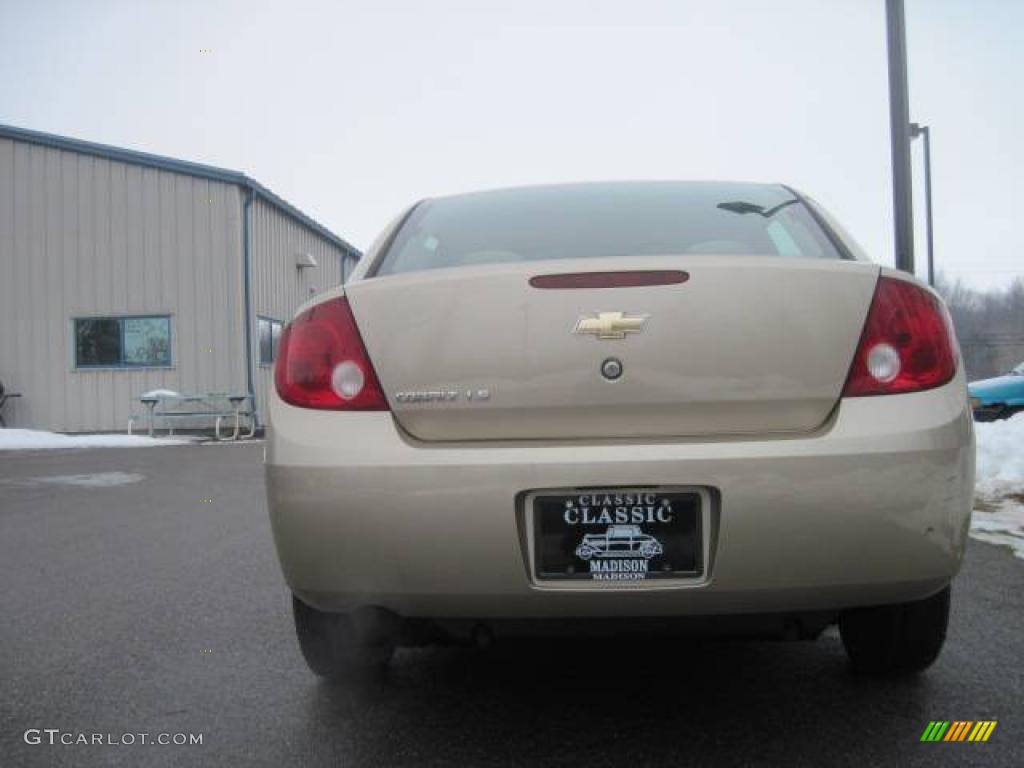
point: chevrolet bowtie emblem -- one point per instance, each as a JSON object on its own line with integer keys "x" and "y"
{"x": 610, "y": 325}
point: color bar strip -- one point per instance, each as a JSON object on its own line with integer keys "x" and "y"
{"x": 935, "y": 730}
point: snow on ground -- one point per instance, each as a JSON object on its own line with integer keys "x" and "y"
{"x": 34, "y": 440}
{"x": 96, "y": 480}
{"x": 999, "y": 504}
{"x": 1005, "y": 528}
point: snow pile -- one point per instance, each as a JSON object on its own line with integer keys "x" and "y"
{"x": 999, "y": 505}
{"x": 1000, "y": 456}
{"x": 33, "y": 440}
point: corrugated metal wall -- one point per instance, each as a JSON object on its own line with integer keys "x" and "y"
{"x": 86, "y": 236}
{"x": 278, "y": 286}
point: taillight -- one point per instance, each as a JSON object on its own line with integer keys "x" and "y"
{"x": 907, "y": 344}
{"x": 322, "y": 362}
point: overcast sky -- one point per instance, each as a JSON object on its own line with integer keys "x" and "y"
{"x": 351, "y": 110}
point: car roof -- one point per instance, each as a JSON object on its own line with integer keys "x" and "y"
{"x": 726, "y": 189}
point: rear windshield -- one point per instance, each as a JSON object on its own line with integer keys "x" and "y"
{"x": 618, "y": 219}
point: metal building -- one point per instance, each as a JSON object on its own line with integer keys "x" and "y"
{"x": 123, "y": 272}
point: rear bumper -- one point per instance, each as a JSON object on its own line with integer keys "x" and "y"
{"x": 872, "y": 509}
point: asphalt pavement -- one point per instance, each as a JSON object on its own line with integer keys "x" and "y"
{"x": 141, "y": 595}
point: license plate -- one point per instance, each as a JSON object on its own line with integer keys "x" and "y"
{"x": 609, "y": 536}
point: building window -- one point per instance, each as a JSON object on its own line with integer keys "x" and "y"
{"x": 123, "y": 342}
{"x": 270, "y": 338}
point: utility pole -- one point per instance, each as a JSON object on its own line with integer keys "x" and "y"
{"x": 922, "y": 131}
{"x": 899, "y": 129}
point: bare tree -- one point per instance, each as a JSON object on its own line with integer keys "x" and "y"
{"x": 989, "y": 325}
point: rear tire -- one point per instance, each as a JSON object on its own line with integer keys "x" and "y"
{"x": 338, "y": 646}
{"x": 896, "y": 640}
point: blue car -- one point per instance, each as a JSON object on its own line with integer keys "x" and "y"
{"x": 998, "y": 398}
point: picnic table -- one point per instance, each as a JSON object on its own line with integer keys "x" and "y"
{"x": 171, "y": 407}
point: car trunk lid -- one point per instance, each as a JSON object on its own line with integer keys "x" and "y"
{"x": 744, "y": 346}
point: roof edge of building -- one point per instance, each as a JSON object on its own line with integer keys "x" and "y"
{"x": 174, "y": 165}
